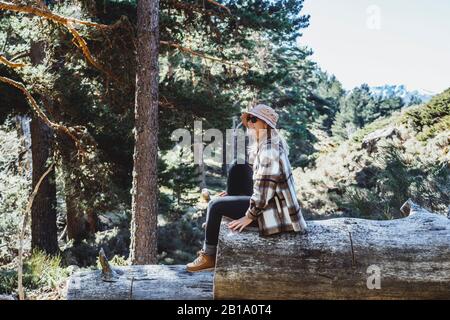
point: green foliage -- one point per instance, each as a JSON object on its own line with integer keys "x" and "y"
{"x": 361, "y": 107}
{"x": 182, "y": 177}
{"x": 115, "y": 241}
{"x": 180, "y": 239}
{"x": 327, "y": 97}
{"x": 39, "y": 270}
{"x": 380, "y": 123}
{"x": 361, "y": 203}
{"x": 15, "y": 187}
{"x": 347, "y": 180}
{"x": 432, "y": 118}
{"x": 397, "y": 178}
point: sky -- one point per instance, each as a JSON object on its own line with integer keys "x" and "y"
{"x": 381, "y": 42}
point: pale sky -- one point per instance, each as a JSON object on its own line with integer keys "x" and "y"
{"x": 381, "y": 41}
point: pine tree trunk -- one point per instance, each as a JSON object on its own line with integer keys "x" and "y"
{"x": 44, "y": 234}
{"x": 43, "y": 212}
{"x": 143, "y": 247}
{"x": 76, "y": 220}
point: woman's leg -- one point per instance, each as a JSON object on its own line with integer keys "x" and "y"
{"x": 233, "y": 207}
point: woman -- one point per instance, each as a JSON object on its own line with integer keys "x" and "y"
{"x": 272, "y": 204}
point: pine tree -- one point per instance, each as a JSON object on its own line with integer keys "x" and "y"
{"x": 143, "y": 249}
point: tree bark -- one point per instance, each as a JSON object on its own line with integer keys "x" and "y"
{"x": 342, "y": 258}
{"x": 77, "y": 221}
{"x": 143, "y": 248}
{"x": 154, "y": 282}
{"x": 43, "y": 212}
{"x": 44, "y": 234}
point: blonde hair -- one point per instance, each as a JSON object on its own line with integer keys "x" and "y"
{"x": 272, "y": 133}
{"x": 284, "y": 143}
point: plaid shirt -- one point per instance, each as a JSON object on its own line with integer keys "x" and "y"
{"x": 273, "y": 182}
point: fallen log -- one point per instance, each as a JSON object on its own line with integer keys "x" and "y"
{"x": 148, "y": 282}
{"x": 343, "y": 258}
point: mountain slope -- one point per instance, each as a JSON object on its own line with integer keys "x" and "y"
{"x": 371, "y": 177}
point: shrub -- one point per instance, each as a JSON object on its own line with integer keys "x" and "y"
{"x": 432, "y": 118}
{"x": 39, "y": 270}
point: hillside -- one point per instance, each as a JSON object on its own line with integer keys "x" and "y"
{"x": 371, "y": 177}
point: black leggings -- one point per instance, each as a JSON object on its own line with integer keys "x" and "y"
{"x": 233, "y": 205}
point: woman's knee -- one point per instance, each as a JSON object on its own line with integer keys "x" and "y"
{"x": 215, "y": 205}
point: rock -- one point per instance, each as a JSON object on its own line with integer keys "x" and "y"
{"x": 370, "y": 141}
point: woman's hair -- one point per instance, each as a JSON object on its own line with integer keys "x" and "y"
{"x": 273, "y": 134}
{"x": 283, "y": 141}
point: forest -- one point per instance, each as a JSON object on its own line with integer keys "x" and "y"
{"x": 73, "y": 117}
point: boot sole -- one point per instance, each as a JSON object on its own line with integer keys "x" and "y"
{"x": 207, "y": 269}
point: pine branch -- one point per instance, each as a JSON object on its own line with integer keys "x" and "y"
{"x": 195, "y": 8}
{"x": 38, "y": 111}
{"x": 245, "y": 66}
{"x": 219, "y": 5}
{"x": 66, "y": 22}
{"x": 45, "y": 13}
{"x": 10, "y": 63}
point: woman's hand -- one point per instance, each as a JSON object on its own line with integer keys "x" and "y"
{"x": 239, "y": 224}
{"x": 223, "y": 194}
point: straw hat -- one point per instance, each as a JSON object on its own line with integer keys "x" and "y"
{"x": 262, "y": 112}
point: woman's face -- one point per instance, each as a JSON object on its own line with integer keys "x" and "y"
{"x": 258, "y": 126}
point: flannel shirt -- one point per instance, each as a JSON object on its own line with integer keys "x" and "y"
{"x": 272, "y": 178}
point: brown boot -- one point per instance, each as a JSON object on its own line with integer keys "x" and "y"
{"x": 203, "y": 262}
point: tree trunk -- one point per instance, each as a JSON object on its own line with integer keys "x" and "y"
{"x": 343, "y": 258}
{"x": 155, "y": 282}
{"x": 76, "y": 221}
{"x": 143, "y": 248}
{"x": 77, "y": 229}
{"x": 43, "y": 212}
{"x": 44, "y": 235}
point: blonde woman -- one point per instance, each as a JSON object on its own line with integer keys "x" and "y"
{"x": 272, "y": 204}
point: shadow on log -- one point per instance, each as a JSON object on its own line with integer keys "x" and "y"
{"x": 344, "y": 258}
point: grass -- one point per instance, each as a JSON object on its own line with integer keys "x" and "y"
{"x": 39, "y": 271}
